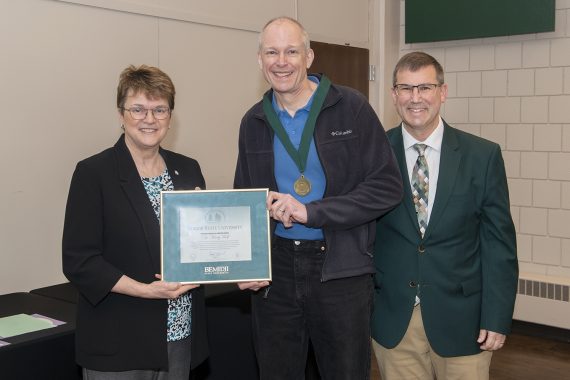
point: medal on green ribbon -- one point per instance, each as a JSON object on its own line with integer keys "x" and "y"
{"x": 302, "y": 185}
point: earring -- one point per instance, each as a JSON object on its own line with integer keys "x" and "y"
{"x": 123, "y": 127}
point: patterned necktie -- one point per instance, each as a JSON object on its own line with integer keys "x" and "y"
{"x": 420, "y": 187}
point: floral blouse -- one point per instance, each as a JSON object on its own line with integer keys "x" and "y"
{"x": 179, "y": 309}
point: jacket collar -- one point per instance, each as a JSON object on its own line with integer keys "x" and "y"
{"x": 332, "y": 98}
{"x": 448, "y": 167}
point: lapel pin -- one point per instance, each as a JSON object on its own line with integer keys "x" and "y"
{"x": 176, "y": 172}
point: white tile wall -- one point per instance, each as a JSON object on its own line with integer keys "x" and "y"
{"x": 558, "y": 109}
{"x": 495, "y": 83}
{"x": 566, "y": 252}
{"x": 547, "y": 137}
{"x": 534, "y": 165}
{"x": 562, "y": 4}
{"x": 546, "y": 194}
{"x": 474, "y": 129}
{"x": 508, "y": 110}
{"x": 520, "y": 191}
{"x": 533, "y": 268}
{"x": 482, "y": 57}
{"x": 534, "y": 109}
{"x": 495, "y": 132}
{"x": 536, "y": 53}
{"x": 566, "y": 195}
{"x": 547, "y": 81}
{"x": 469, "y": 84}
{"x": 558, "y": 223}
{"x": 519, "y": 137}
{"x": 566, "y": 138}
{"x": 521, "y": 82}
{"x": 559, "y": 167}
{"x": 456, "y": 110}
{"x": 533, "y": 221}
{"x": 524, "y": 245}
{"x": 515, "y": 91}
{"x": 560, "y": 52}
{"x": 480, "y": 110}
{"x": 451, "y": 81}
{"x": 546, "y": 250}
{"x": 508, "y": 56}
{"x": 457, "y": 59}
{"x": 512, "y": 163}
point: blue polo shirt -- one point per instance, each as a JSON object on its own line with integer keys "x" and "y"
{"x": 286, "y": 171}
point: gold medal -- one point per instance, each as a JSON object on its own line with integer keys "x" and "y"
{"x": 302, "y": 186}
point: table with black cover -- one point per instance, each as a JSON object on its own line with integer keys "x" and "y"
{"x": 45, "y": 354}
{"x": 228, "y": 314}
{"x": 63, "y": 292}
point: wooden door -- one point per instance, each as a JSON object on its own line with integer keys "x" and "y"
{"x": 344, "y": 65}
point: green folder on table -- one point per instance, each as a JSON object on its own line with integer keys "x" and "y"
{"x": 22, "y": 324}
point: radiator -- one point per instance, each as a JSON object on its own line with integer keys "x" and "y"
{"x": 544, "y": 300}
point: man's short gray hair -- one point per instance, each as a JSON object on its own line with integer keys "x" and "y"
{"x": 306, "y": 40}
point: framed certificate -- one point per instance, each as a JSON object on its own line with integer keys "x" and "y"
{"x": 214, "y": 236}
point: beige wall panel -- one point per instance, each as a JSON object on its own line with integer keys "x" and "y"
{"x": 217, "y": 79}
{"x": 59, "y": 66}
{"x": 247, "y": 15}
{"x": 336, "y": 21}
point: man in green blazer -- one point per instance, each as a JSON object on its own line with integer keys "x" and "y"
{"x": 446, "y": 256}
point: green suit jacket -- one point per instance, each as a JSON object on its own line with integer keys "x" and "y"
{"x": 465, "y": 268}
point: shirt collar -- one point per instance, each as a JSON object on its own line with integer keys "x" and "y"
{"x": 307, "y": 106}
{"x": 433, "y": 141}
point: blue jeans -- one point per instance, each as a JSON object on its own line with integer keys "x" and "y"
{"x": 334, "y": 315}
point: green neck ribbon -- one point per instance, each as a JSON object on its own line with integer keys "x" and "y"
{"x": 300, "y": 156}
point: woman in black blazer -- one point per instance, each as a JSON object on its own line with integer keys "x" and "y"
{"x": 130, "y": 324}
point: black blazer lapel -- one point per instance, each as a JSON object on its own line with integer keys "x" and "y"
{"x": 448, "y": 166}
{"x": 184, "y": 176}
{"x": 134, "y": 189}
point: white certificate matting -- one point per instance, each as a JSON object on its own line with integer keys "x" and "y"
{"x": 215, "y": 234}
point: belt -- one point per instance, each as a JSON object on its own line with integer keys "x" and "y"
{"x": 297, "y": 245}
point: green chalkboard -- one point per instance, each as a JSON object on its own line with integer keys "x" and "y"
{"x": 444, "y": 20}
